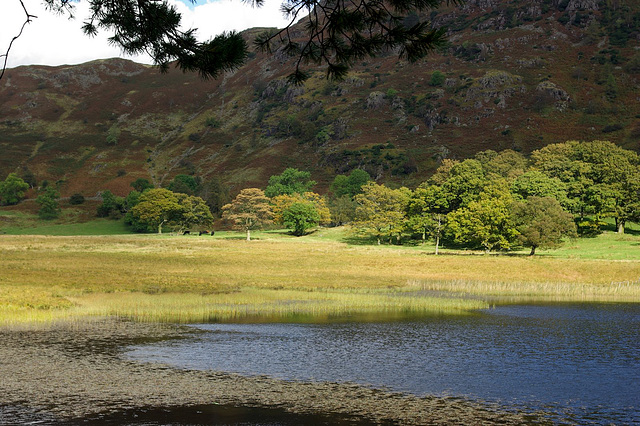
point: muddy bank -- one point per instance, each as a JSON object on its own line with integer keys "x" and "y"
{"x": 74, "y": 373}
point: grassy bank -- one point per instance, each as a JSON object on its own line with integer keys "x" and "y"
{"x": 191, "y": 279}
{"x": 72, "y": 221}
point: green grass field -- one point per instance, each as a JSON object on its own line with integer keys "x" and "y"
{"x": 69, "y": 269}
{"x": 194, "y": 278}
{"x": 14, "y": 222}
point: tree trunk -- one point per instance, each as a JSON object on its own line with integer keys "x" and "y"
{"x": 620, "y": 226}
{"x": 248, "y": 234}
{"x": 533, "y": 251}
{"x": 437, "y": 243}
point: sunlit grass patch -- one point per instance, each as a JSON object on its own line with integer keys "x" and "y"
{"x": 606, "y": 246}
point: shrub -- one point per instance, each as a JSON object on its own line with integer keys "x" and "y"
{"x": 589, "y": 227}
{"x": 612, "y": 128}
{"x": 49, "y": 207}
{"x": 76, "y": 199}
{"x": 12, "y": 189}
{"x": 437, "y": 78}
{"x": 212, "y": 122}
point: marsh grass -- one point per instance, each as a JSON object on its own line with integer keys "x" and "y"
{"x": 510, "y": 292}
{"x": 191, "y": 279}
{"x": 269, "y": 303}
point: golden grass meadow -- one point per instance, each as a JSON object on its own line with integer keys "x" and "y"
{"x": 189, "y": 279}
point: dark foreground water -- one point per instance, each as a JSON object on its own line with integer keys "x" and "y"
{"x": 580, "y": 363}
{"x": 198, "y": 415}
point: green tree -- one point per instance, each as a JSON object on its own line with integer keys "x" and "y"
{"x": 250, "y": 209}
{"x": 615, "y": 173}
{"x": 29, "y": 177}
{"x": 542, "y": 223}
{"x": 484, "y": 223}
{"x": 13, "y": 189}
{"x": 343, "y": 210}
{"x": 157, "y": 208}
{"x": 113, "y": 135}
{"x": 291, "y": 181}
{"x": 184, "y": 184}
{"x": 280, "y": 203}
{"x": 508, "y": 164}
{"x": 561, "y": 161}
{"x": 49, "y": 205}
{"x": 426, "y": 211}
{"x": 131, "y": 200}
{"x": 195, "y": 212}
{"x": 461, "y": 182}
{"x": 600, "y": 177}
{"x": 380, "y": 211}
{"x": 349, "y": 185}
{"x": 216, "y": 195}
{"x": 111, "y": 206}
{"x": 534, "y": 183}
{"x": 300, "y": 217}
{"x": 141, "y": 184}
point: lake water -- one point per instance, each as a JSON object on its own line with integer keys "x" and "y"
{"x": 581, "y": 363}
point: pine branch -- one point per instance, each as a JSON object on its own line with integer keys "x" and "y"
{"x": 28, "y": 19}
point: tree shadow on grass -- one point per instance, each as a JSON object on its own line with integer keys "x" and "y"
{"x": 629, "y": 229}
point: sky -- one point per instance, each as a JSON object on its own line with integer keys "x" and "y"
{"x": 52, "y": 39}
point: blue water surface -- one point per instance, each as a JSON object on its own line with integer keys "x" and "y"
{"x": 579, "y": 362}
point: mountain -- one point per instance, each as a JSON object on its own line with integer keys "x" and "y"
{"x": 516, "y": 75}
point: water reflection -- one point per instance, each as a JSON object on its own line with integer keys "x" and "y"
{"x": 580, "y": 361}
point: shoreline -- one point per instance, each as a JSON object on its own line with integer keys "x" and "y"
{"x": 68, "y": 373}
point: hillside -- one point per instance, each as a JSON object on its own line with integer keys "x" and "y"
{"x": 517, "y": 75}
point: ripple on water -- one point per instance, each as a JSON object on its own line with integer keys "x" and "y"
{"x": 579, "y": 362}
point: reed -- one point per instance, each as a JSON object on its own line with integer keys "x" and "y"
{"x": 266, "y": 303}
{"x": 503, "y": 292}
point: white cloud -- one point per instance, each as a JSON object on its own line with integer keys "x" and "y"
{"x": 52, "y": 39}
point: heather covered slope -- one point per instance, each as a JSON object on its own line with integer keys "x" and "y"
{"x": 517, "y": 75}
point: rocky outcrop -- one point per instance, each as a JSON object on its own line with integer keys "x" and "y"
{"x": 587, "y": 5}
{"x": 482, "y": 5}
{"x": 559, "y": 95}
{"x": 498, "y": 85}
{"x": 375, "y": 100}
